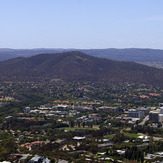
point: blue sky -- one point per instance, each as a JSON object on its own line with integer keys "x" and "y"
{"x": 81, "y": 24}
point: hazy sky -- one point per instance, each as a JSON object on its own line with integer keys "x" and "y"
{"x": 81, "y": 24}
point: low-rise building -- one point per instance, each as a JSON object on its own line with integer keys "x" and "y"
{"x": 107, "y": 108}
{"x": 78, "y": 138}
{"x": 62, "y": 107}
{"x": 39, "y": 159}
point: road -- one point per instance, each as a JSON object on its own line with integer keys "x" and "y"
{"x": 144, "y": 120}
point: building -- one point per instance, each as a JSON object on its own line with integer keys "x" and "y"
{"x": 154, "y": 116}
{"x": 27, "y": 110}
{"x": 145, "y": 110}
{"x": 23, "y": 159}
{"x": 35, "y": 159}
{"x": 161, "y": 110}
{"x": 135, "y": 113}
{"x": 94, "y": 116}
{"x": 34, "y": 111}
{"x": 61, "y": 107}
{"x": 161, "y": 105}
{"x": 78, "y": 138}
{"x": 107, "y": 108}
{"x": 83, "y": 108}
{"x": 104, "y": 108}
{"x": 160, "y": 117}
{"x": 39, "y": 159}
{"x": 119, "y": 109}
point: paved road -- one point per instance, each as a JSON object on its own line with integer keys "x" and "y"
{"x": 144, "y": 120}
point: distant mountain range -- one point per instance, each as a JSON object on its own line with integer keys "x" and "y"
{"x": 132, "y": 54}
{"x": 77, "y": 66}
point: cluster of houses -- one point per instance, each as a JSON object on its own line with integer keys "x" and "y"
{"x": 29, "y": 145}
{"x": 23, "y": 158}
{"x": 35, "y": 159}
{"x": 88, "y": 118}
{"x": 153, "y": 156}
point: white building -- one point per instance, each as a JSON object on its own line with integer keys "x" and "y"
{"x": 27, "y": 110}
{"x": 161, "y": 110}
{"x": 160, "y": 117}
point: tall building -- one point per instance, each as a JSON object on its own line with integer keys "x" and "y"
{"x": 154, "y": 116}
{"x": 136, "y": 113}
{"x": 27, "y": 110}
{"x": 160, "y": 117}
{"x": 161, "y": 110}
{"x": 145, "y": 110}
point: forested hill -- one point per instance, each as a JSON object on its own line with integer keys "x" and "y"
{"x": 77, "y": 66}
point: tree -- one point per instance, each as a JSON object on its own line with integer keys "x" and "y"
{"x": 72, "y": 124}
{"x": 83, "y": 124}
{"x": 78, "y": 123}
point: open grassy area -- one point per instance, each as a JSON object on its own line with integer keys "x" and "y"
{"x": 125, "y": 133}
{"x": 131, "y": 135}
{"x": 80, "y": 128}
{"x": 109, "y": 136}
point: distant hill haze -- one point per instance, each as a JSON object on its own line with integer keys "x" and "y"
{"x": 77, "y": 66}
{"x": 132, "y": 54}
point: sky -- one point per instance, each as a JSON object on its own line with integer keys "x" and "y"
{"x": 84, "y": 24}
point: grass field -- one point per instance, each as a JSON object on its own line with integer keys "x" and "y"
{"x": 109, "y": 136}
{"x": 125, "y": 133}
{"x": 131, "y": 135}
{"x": 96, "y": 127}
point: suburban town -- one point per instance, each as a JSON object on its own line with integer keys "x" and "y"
{"x": 80, "y": 128}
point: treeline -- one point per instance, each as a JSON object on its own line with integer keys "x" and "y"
{"x": 27, "y": 125}
{"x": 135, "y": 153}
{"x": 147, "y": 130}
{"x": 7, "y": 146}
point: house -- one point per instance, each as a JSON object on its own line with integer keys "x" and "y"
{"x": 39, "y": 159}
{"x": 105, "y": 145}
{"x": 121, "y": 152}
{"x": 23, "y": 158}
{"x": 61, "y": 107}
{"x": 143, "y": 145}
{"x": 34, "y": 111}
{"x": 153, "y": 156}
{"x": 78, "y": 138}
{"x": 94, "y": 116}
{"x": 62, "y": 161}
{"x": 83, "y": 108}
{"x": 79, "y": 151}
{"x": 30, "y": 145}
